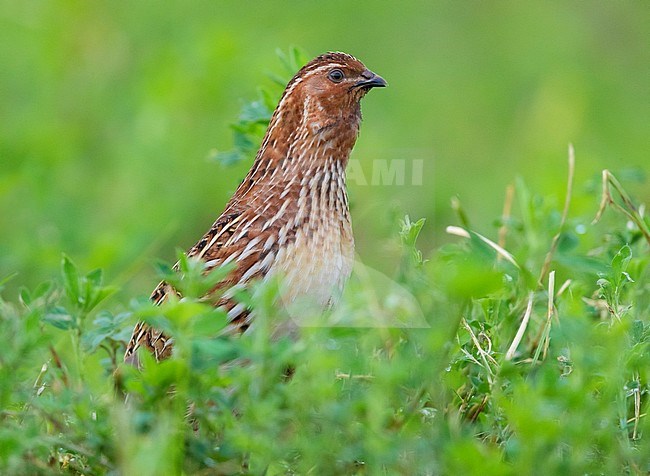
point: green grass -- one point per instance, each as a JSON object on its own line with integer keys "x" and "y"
{"x": 458, "y": 394}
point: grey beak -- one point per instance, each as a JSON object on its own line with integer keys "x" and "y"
{"x": 373, "y": 81}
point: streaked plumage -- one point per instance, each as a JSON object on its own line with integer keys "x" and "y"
{"x": 290, "y": 214}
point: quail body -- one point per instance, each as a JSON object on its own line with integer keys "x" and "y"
{"x": 290, "y": 214}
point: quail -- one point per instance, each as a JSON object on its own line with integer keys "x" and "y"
{"x": 290, "y": 214}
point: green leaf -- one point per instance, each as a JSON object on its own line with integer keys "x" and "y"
{"x": 603, "y": 283}
{"x": 95, "y": 277}
{"x": 70, "y": 279}
{"x": 193, "y": 279}
{"x": 163, "y": 270}
{"x": 209, "y": 323}
{"x": 60, "y": 318}
{"x": 208, "y": 353}
{"x": 107, "y": 326}
{"x": 230, "y": 157}
{"x": 25, "y": 296}
{"x": 637, "y": 331}
{"x": 410, "y": 231}
{"x": 101, "y": 294}
{"x": 256, "y": 111}
{"x": 41, "y": 290}
{"x": 621, "y": 260}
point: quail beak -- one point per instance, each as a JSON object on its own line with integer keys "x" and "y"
{"x": 371, "y": 80}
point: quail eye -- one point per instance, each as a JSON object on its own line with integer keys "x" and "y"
{"x": 336, "y": 75}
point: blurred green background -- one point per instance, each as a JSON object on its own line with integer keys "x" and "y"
{"x": 109, "y": 111}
